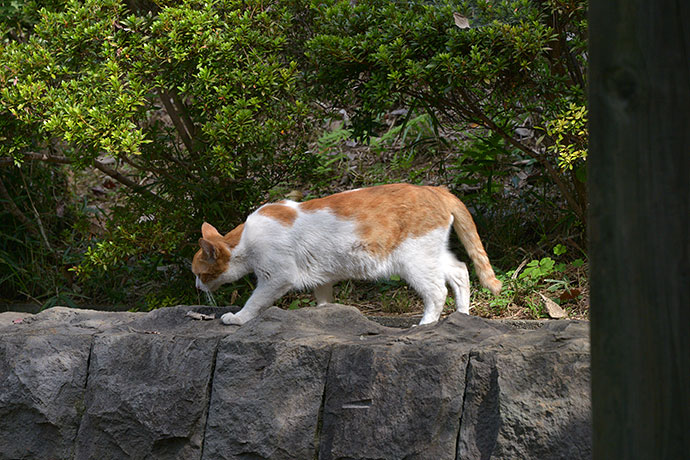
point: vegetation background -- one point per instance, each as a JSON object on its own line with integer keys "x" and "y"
{"x": 124, "y": 124}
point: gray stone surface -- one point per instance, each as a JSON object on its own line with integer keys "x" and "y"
{"x": 320, "y": 382}
{"x": 148, "y": 388}
{"x": 400, "y": 393}
{"x": 269, "y": 382}
{"x": 528, "y": 396}
{"x": 43, "y": 372}
{"x": 42, "y": 381}
{"x": 146, "y": 397}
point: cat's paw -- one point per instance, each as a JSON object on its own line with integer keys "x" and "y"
{"x": 231, "y": 319}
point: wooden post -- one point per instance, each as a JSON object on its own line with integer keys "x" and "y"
{"x": 639, "y": 228}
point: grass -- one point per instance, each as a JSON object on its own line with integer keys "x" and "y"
{"x": 519, "y": 299}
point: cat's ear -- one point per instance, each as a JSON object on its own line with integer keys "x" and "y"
{"x": 208, "y": 248}
{"x": 208, "y": 231}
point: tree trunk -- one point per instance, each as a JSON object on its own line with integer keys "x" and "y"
{"x": 639, "y": 224}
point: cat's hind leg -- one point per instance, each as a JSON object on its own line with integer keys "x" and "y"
{"x": 458, "y": 278}
{"x": 323, "y": 294}
{"x": 430, "y": 284}
{"x": 434, "y": 296}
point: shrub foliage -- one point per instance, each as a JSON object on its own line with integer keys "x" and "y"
{"x": 515, "y": 68}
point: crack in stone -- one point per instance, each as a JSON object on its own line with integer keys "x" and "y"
{"x": 319, "y": 420}
{"x": 209, "y": 393}
{"x": 83, "y": 408}
{"x": 464, "y": 399}
{"x": 88, "y": 363}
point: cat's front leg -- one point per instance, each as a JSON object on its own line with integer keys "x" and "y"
{"x": 231, "y": 319}
{"x": 263, "y": 297}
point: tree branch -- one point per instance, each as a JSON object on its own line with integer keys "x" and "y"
{"x": 553, "y": 174}
{"x": 184, "y": 114}
{"x": 124, "y": 180}
{"x": 570, "y": 62}
{"x": 4, "y": 161}
{"x": 12, "y": 208}
{"x": 38, "y": 216}
{"x": 185, "y": 136}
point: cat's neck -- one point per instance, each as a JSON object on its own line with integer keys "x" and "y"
{"x": 240, "y": 264}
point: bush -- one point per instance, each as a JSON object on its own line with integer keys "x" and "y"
{"x": 512, "y": 70}
{"x": 196, "y": 112}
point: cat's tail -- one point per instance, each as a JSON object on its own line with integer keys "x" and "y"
{"x": 467, "y": 232}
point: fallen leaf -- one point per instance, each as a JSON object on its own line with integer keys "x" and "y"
{"x": 569, "y": 295}
{"x": 461, "y": 21}
{"x": 131, "y": 329}
{"x": 199, "y": 316}
{"x": 552, "y": 308}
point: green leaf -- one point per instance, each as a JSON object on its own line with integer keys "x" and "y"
{"x": 577, "y": 263}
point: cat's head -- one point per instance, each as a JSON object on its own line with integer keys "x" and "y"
{"x": 212, "y": 259}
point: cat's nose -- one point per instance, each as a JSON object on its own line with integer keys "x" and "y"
{"x": 201, "y": 286}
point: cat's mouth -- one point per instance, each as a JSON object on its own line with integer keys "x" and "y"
{"x": 203, "y": 287}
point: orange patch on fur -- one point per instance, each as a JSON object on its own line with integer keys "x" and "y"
{"x": 283, "y": 214}
{"x": 233, "y": 237}
{"x": 386, "y": 215}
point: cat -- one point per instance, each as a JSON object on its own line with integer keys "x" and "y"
{"x": 369, "y": 233}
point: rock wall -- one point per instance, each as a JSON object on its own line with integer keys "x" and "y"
{"x": 317, "y": 383}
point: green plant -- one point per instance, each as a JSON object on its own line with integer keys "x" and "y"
{"x": 194, "y": 113}
{"x": 559, "y": 249}
{"x": 561, "y": 281}
{"x": 123, "y": 126}
{"x": 481, "y": 160}
{"x": 569, "y": 133}
{"x": 493, "y": 74}
{"x": 535, "y": 308}
{"x": 299, "y": 303}
{"x": 329, "y": 140}
{"x": 395, "y": 300}
{"x": 499, "y": 304}
{"x": 536, "y": 270}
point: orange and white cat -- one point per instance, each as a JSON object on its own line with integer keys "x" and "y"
{"x": 370, "y": 233}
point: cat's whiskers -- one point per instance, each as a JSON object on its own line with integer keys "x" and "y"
{"x": 210, "y": 299}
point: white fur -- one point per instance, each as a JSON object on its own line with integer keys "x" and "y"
{"x": 320, "y": 249}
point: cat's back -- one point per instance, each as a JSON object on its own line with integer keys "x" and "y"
{"x": 385, "y": 214}
{"x": 381, "y": 199}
